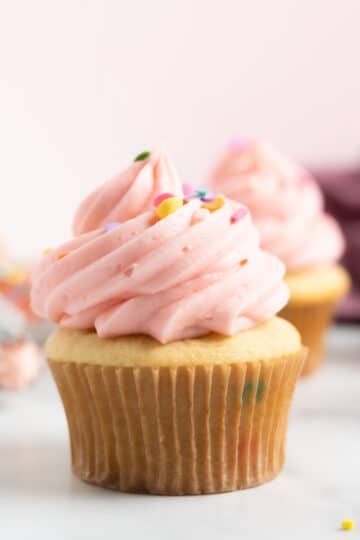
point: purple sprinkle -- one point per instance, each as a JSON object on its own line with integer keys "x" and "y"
{"x": 239, "y": 214}
{"x": 238, "y": 143}
{"x": 208, "y": 198}
{"x": 305, "y": 179}
{"x": 111, "y": 226}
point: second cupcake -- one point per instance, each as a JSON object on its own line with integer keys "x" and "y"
{"x": 287, "y": 208}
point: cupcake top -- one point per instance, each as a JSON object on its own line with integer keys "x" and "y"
{"x": 128, "y": 193}
{"x": 186, "y": 267}
{"x": 285, "y": 202}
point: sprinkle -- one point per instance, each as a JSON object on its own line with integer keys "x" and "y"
{"x": 248, "y": 388}
{"x": 208, "y": 198}
{"x": 305, "y": 179}
{"x": 217, "y": 203}
{"x": 168, "y": 206}
{"x": 260, "y": 390}
{"x": 160, "y": 198}
{"x": 111, "y": 226}
{"x": 62, "y": 255}
{"x": 47, "y": 251}
{"x": 238, "y": 143}
{"x": 347, "y": 525}
{"x": 239, "y": 214}
{"x": 200, "y": 193}
{"x": 243, "y": 262}
{"x": 188, "y": 190}
{"x": 142, "y": 156}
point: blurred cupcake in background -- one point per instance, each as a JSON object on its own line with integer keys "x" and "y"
{"x": 20, "y": 358}
{"x": 287, "y": 208}
{"x": 15, "y": 288}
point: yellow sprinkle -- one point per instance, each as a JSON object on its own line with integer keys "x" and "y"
{"x": 47, "y": 251}
{"x": 215, "y": 204}
{"x": 168, "y": 206}
{"x": 62, "y": 255}
{"x": 347, "y": 525}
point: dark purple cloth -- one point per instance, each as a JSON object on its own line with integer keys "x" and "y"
{"x": 341, "y": 188}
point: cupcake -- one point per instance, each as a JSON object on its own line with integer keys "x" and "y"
{"x": 287, "y": 208}
{"x": 175, "y": 374}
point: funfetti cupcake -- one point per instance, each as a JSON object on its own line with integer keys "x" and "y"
{"x": 287, "y": 208}
{"x": 175, "y": 375}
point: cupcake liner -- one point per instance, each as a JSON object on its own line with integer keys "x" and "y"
{"x": 178, "y": 430}
{"x": 312, "y": 321}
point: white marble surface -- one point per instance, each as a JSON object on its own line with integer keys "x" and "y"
{"x": 320, "y": 486}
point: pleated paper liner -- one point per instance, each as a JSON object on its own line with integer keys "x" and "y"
{"x": 312, "y": 321}
{"x": 180, "y": 430}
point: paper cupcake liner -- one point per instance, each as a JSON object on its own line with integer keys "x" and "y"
{"x": 312, "y": 321}
{"x": 180, "y": 430}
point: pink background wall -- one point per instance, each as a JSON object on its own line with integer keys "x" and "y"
{"x": 87, "y": 84}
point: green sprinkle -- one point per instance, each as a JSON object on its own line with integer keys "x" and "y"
{"x": 142, "y": 156}
{"x": 201, "y": 192}
{"x": 260, "y": 390}
{"x": 248, "y": 388}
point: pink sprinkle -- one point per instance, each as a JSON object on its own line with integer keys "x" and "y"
{"x": 239, "y": 214}
{"x": 238, "y": 143}
{"x": 305, "y": 179}
{"x": 188, "y": 190}
{"x": 160, "y": 198}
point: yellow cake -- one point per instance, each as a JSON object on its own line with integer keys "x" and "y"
{"x": 313, "y": 296}
{"x": 199, "y": 415}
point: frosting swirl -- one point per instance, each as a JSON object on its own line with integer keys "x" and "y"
{"x": 285, "y": 202}
{"x": 186, "y": 275}
{"x": 128, "y": 193}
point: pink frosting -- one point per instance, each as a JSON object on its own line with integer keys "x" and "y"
{"x": 285, "y": 202}
{"x": 128, "y": 193}
{"x": 186, "y": 275}
{"x": 20, "y": 364}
